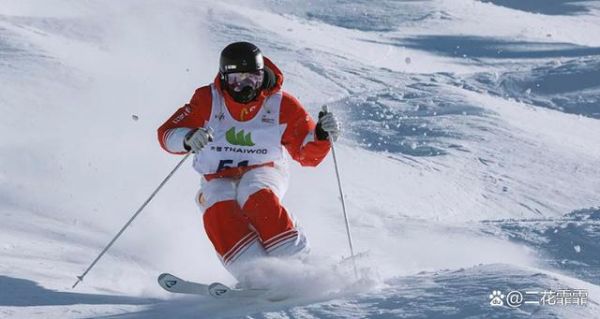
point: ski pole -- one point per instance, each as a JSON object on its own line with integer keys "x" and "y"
{"x": 80, "y": 278}
{"x": 339, "y": 181}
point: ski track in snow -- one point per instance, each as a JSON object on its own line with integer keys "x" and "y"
{"x": 469, "y": 157}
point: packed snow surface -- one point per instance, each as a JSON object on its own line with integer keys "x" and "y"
{"x": 469, "y": 156}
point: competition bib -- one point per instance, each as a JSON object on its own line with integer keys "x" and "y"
{"x": 237, "y": 144}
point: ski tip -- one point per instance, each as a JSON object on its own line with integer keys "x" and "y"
{"x": 168, "y": 281}
{"x": 163, "y": 275}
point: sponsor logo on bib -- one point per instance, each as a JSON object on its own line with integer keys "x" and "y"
{"x": 240, "y": 138}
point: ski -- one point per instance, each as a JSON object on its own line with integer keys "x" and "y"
{"x": 217, "y": 290}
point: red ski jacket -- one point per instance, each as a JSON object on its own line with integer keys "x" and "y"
{"x": 298, "y": 138}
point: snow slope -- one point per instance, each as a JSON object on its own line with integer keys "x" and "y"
{"x": 469, "y": 157}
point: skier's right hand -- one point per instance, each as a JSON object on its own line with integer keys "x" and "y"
{"x": 196, "y": 139}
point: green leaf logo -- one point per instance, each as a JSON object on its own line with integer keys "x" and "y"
{"x": 240, "y": 138}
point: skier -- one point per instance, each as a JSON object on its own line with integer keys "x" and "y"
{"x": 238, "y": 128}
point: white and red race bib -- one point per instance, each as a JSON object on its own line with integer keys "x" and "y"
{"x": 237, "y": 144}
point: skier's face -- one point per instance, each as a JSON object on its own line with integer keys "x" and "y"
{"x": 244, "y": 86}
{"x": 238, "y": 81}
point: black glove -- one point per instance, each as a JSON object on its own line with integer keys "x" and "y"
{"x": 327, "y": 125}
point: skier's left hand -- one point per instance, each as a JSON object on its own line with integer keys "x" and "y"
{"x": 328, "y": 125}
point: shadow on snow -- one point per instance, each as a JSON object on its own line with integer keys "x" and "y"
{"x": 412, "y": 120}
{"x": 17, "y": 292}
{"x": 486, "y": 47}
{"x": 570, "y": 243}
{"x": 549, "y": 7}
{"x": 571, "y": 87}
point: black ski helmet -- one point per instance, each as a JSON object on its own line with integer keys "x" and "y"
{"x": 240, "y": 57}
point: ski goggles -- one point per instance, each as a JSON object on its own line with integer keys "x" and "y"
{"x": 238, "y": 81}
